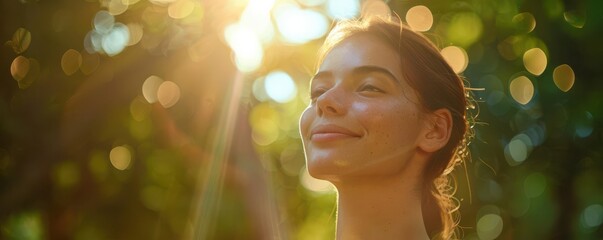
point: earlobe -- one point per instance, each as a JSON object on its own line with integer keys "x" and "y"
{"x": 436, "y": 132}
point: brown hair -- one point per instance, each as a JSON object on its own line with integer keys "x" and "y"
{"x": 437, "y": 86}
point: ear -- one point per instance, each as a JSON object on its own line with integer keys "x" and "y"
{"x": 436, "y": 130}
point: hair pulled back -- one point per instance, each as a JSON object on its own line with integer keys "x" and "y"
{"x": 437, "y": 87}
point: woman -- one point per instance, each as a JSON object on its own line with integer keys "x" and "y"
{"x": 386, "y": 126}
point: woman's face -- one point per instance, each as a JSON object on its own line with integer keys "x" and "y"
{"x": 364, "y": 118}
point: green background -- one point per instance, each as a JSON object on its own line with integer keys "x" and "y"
{"x": 226, "y": 162}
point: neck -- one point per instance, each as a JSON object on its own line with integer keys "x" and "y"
{"x": 385, "y": 208}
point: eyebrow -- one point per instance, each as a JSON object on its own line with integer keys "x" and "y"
{"x": 361, "y": 70}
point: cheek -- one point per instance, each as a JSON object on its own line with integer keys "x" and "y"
{"x": 392, "y": 124}
{"x": 363, "y": 108}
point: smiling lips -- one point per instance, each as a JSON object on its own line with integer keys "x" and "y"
{"x": 330, "y": 132}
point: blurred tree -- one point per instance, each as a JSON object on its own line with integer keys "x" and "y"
{"x": 170, "y": 119}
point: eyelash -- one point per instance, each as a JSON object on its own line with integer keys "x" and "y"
{"x": 314, "y": 94}
{"x": 370, "y": 88}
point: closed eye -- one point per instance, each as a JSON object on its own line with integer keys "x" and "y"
{"x": 314, "y": 94}
{"x": 370, "y": 88}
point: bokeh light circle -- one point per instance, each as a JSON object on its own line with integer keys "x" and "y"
{"x": 280, "y": 86}
{"x": 168, "y": 94}
{"x": 246, "y": 46}
{"x": 120, "y": 157}
{"x": 257, "y": 17}
{"x": 19, "y": 68}
{"x": 129, "y": 2}
{"x": 150, "y": 87}
{"x": 263, "y": 119}
{"x": 103, "y": 22}
{"x": 419, "y": 18}
{"x": 117, "y": 7}
{"x": 343, "y": 9}
{"x": 575, "y": 18}
{"x": 258, "y": 90}
{"x": 311, "y": 3}
{"x": 162, "y": 2}
{"x": 522, "y": 89}
{"x": 592, "y": 216}
{"x": 116, "y": 40}
{"x": 535, "y": 61}
{"x": 298, "y": 25}
{"x": 136, "y": 33}
{"x": 564, "y": 77}
{"x": 373, "y": 8}
{"x": 25, "y": 71}
{"x": 525, "y": 22}
{"x": 489, "y": 226}
{"x": 71, "y": 61}
{"x": 584, "y": 124}
{"x": 464, "y": 29}
{"x": 181, "y": 9}
{"x": 516, "y": 151}
{"x": 456, "y": 57}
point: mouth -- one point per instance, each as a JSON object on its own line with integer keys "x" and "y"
{"x": 331, "y": 132}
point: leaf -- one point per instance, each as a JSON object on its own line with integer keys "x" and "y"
{"x": 21, "y": 40}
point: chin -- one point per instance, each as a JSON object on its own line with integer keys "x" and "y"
{"x": 324, "y": 169}
{"x": 320, "y": 170}
{"x": 333, "y": 170}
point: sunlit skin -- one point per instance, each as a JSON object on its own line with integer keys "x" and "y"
{"x": 366, "y": 133}
{"x": 363, "y": 116}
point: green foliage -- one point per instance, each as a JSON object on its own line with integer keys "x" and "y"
{"x": 90, "y": 148}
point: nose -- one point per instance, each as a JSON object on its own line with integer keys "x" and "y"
{"x": 331, "y": 102}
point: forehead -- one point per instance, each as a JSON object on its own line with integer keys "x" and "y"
{"x": 361, "y": 50}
